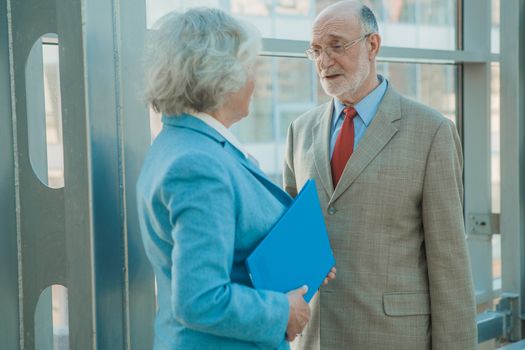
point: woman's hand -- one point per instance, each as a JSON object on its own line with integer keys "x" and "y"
{"x": 299, "y": 312}
{"x": 330, "y": 276}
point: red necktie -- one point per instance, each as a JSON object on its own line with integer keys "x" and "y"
{"x": 344, "y": 145}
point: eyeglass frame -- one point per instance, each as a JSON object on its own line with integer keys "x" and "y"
{"x": 310, "y": 54}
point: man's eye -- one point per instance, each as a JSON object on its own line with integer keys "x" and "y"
{"x": 336, "y": 46}
{"x": 316, "y": 51}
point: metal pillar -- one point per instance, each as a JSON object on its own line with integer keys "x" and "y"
{"x": 476, "y": 137}
{"x": 512, "y": 76}
{"x": 135, "y": 139}
{"x": 85, "y": 235}
{"x": 10, "y": 330}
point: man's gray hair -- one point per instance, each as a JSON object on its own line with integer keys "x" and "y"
{"x": 368, "y": 20}
{"x": 195, "y": 58}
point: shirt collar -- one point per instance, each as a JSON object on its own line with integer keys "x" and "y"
{"x": 367, "y": 107}
{"x": 221, "y": 129}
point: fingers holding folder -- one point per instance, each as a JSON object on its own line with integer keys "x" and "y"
{"x": 330, "y": 276}
{"x": 299, "y": 312}
{"x": 299, "y": 309}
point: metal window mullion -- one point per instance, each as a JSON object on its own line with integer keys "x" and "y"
{"x": 512, "y": 123}
{"x": 104, "y": 118}
{"x": 476, "y": 133}
{"x": 134, "y": 143}
{"x": 276, "y": 110}
{"x": 476, "y": 142}
{"x": 474, "y": 54}
{"x": 9, "y": 332}
{"x": 39, "y": 210}
{"x": 296, "y": 48}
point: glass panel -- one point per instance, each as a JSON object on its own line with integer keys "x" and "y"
{"x": 404, "y": 23}
{"x": 494, "y": 33}
{"x": 431, "y": 84}
{"x": 51, "y": 319}
{"x": 60, "y": 317}
{"x": 495, "y": 170}
{"x": 155, "y": 9}
{"x": 44, "y": 321}
{"x": 285, "y": 88}
{"x": 55, "y": 147}
{"x": 44, "y": 111}
{"x": 429, "y": 24}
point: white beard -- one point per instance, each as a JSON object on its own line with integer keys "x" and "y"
{"x": 345, "y": 87}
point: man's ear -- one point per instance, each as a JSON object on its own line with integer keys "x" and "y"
{"x": 373, "y": 43}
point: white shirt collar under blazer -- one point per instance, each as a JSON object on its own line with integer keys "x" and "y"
{"x": 221, "y": 129}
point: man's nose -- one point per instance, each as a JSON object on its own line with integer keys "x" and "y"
{"x": 324, "y": 60}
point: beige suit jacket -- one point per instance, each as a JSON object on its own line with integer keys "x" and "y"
{"x": 395, "y": 222}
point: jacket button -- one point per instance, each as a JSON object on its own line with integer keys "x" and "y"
{"x": 331, "y": 210}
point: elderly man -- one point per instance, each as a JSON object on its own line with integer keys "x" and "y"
{"x": 388, "y": 173}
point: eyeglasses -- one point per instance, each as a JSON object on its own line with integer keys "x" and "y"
{"x": 335, "y": 49}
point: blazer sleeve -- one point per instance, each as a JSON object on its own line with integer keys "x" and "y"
{"x": 289, "y": 184}
{"x": 453, "y": 308}
{"x": 199, "y": 196}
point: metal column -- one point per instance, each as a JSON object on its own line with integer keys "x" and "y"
{"x": 476, "y": 136}
{"x": 513, "y": 156}
{"x": 85, "y": 235}
{"x": 9, "y": 331}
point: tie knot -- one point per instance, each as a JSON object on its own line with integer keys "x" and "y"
{"x": 350, "y": 112}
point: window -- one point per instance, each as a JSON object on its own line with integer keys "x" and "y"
{"x": 405, "y": 23}
{"x": 288, "y": 87}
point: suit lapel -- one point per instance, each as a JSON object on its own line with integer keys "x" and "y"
{"x": 190, "y": 122}
{"x": 378, "y": 134}
{"x": 281, "y": 195}
{"x": 321, "y": 142}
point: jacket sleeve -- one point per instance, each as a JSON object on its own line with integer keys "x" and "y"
{"x": 452, "y": 303}
{"x": 289, "y": 184}
{"x": 199, "y": 197}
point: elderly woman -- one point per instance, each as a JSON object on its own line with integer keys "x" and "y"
{"x": 203, "y": 204}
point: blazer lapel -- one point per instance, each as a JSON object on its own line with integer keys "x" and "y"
{"x": 281, "y": 195}
{"x": 378, "y": 134}
{"x": 190, "y": 122}
{"x": 320, "y": 144}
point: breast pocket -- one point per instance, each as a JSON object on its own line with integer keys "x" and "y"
{"x": 406, "y": 303}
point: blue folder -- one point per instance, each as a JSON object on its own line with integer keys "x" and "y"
{"x": 296, "y": 251}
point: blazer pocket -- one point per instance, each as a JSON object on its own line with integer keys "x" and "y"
{"x": 406, "y": 303}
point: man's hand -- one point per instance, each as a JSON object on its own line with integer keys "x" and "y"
{"x": 330, "y": 276}
{"x": 299, "y": 312}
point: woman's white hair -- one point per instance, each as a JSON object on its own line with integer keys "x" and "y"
{"x": 195, "y": 58}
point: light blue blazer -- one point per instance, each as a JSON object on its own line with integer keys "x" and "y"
{"x": 203, "y": 208}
